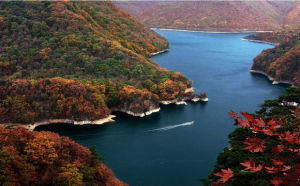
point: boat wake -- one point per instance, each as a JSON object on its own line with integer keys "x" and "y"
{"x": 172, "y": 126}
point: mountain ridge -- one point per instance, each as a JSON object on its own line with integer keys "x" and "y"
{"x": 216, "y": 16}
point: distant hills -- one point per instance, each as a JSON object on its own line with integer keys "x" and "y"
{"x": 216, "y": 15}
{"x": 280, "y": 64}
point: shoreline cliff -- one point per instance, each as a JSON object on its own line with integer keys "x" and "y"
{"x": 281, "y": 63}
{"x": 271, "y": 78}
{"x": 133, "y": 108}
{"x": 159, "y": 52}
{"x": 259, "y": 41}
{"x": 32, "y": 126}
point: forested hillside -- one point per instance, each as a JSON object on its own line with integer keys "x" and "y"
{"x": 101, "y": 48}
{"x": 45, "y": 158}
{"x": 216, "y": 15}
{"x": 274, "y": 37}
{"x": 80, "y": 40}
{"x": 281, "y": 63}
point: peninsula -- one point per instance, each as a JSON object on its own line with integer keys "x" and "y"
{"x": 76, "y": 62}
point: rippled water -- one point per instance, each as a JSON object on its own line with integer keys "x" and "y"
{"x": 180, "y": 144}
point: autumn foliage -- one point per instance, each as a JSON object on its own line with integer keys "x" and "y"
{"x": 169, "y": 89}
{"x": 101, "y": 48}
{"x": 267, "y": 138}
{"x": 24, "y": 101}
{"x": 45, "y": 158}
{"x": 138, "y": 101}
{"x": 282, "y": 62}
{"x": 264, "y": 149}
{"x": 215, "y": 15}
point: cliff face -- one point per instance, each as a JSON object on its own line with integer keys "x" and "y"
{"x": 215, "y": 15}
{"x": 137, "y": 103}
{"x": 281, "y": 63}
{"x": 45, "y": 158}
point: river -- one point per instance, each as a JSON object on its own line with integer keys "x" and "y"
{"x": 179, "y": 145}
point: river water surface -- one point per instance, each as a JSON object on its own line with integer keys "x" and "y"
{"x": 179, "y": 145}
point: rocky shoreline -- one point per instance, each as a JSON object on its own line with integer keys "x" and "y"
{"x": 189, "y": 95}
{"x": 159, "y": 52}
{"x": 212, "y": 31}
{"x": 260, "y": 41}
{"x": 67, "y": 121}
{"x": 147, "y": 113}
{"x": 274, "y": 81}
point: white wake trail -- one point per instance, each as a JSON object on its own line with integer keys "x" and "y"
{"x": 172, "y": 126}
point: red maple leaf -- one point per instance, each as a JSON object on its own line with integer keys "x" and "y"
{"x": 259, "y": 122}
{"x": 224, "y": 174}
{"x": 276, "y": 181}
{"x": 247, "y": 115}
{"x": 256, "y": 129}
{"x": 294, "y": 150}
{"x": 285, "y": 168}
{"x": 277, "y": 162}
{"x": 254, "y": 144}
{"x": 288, "y": 136}
{"x": 271, "y": 169}
{"x": 267, "y": 132}
{"x": 233, "y": 115}
{"x": 273, "y": 125}
{"x": 244, "y": 123}
{"x": 251, "y": 166}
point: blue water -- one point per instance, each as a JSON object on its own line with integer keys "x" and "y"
{"x": 167, "y": 148}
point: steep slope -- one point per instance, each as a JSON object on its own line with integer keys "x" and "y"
{"x": 293, "y": 16}
{"x": 134, "y": 7}
{"x": 282, "y": 63}
{"x": 104, "y": 50}
{"x": 80, "y": 37}
{"x": 45, "y": 158}
{"x": 215, "y": 15}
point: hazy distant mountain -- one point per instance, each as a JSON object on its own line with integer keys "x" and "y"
{"x": 216, "y": 15}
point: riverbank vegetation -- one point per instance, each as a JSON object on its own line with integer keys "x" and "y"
{"x": 264, "y": 148}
